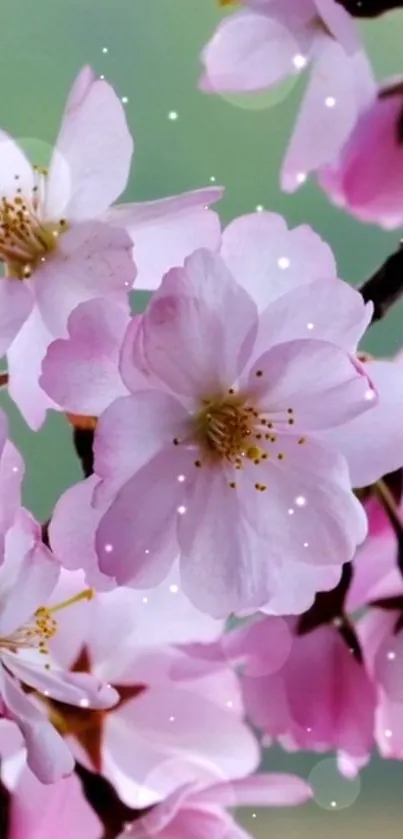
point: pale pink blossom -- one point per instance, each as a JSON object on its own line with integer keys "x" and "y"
{"x": 365, "y": 178}
{"x": 195, "y": 811}
{"x": 169, "y": 727}
{"x": 230, "y": 422}
{"x": 268, "y": 41}
{"x": 60, "y": 242}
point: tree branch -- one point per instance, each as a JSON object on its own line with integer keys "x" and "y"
{"x": 385, "y": 287}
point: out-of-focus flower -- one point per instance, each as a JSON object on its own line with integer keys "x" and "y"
{"x": 366, "y": 177}
{"x": 269, "y": 40}
{"x": 168, "y": 728}
{"x": 200, "y": 811}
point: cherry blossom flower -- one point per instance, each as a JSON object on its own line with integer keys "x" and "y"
{"x": 195, "y": 811}
{"x": 165, "y": 730}
{"x": 223, "y": 426}
{"x": 365, "y": 178}
{"x": 270, "y": 40}
{"x": 61, "y": 244}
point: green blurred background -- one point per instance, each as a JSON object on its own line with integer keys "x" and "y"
{"x": 149, "y": 50}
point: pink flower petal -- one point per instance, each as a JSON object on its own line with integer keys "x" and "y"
{"x": 16, "y": 302}
{"x": 47, "y": 754}
{"x": 337, "y": 388}
{"x": 135, "y": 540}
{"x": 184, "y": 337}
{"x": 341, "y": 86}
{"x": 72, "y": 532}
{"x": 39, "y": 811}
{"x": 15, "y": 169}
{"x": 132, "y": 431}
{"x": 315, "y": 518}
{"x": 92, "y": 260}
{"x": 25, "y": 358}
{"x": 166, "y": 231}
{"x": 28, "y": 575}
{"x": 304, "y": 313}
{"x": 91, "y": 162}
{"x": 170, "y": 736}
{"x": 249, "y": 52}
{"x": 81, "y": 689}
{"x": 339, "y": 22}
{"x": 269, "y": 260}
{"x": 379, "y": 430}
{"x": 262, "y": 790}
{"x": 81, "y": 373}
{"x": 11, "y": 475}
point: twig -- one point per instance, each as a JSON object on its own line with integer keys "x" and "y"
{"x": 385, "y": 287}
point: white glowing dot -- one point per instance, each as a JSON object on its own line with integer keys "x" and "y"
{"x": 147, "y": 551}
{"x": 306, "y": 544}
{"x": 370, "y": 395}
{"x": 310, "y": 326}
{"x": 182, "y": 510}
{"x": 173, "y": 115}
{"x": 338, "y": 622}
{"x": 145, "y": 600}
{"x": 181, "y": 478}
{"x": 43, "y": 258}
{"x": 254, "y": 816}
{"x": 333, "y": 803}
{"x": 174, "y": 589}
{"x": 309, "y": 730}
{"x": 104, "y": 49}
{"x": 84, "y": 703}
{"x": 108, "y": 548}
{"x": 15, "y": 469}
{"x": 301, "y": 177}
{"x": 259, "y": 208}
{"x": 330, "y": 101}
{"x": 391, "y": 655}
{"x": 102, "y": 77}
{"x": 212, "y": 179}
{"x": 230, "y": 703}
{"x": 283, "y": 262}
{"x": 299, "y": 61}
{"x": 126, "y": 283}
{"x": 46, "y": 693}
{"x": 171, "y": 719}
{"x": 388, "y": 732}
{"x": 125, "y": 100}
{"x": 291, "y": 512}
{"x": 300, "y": 501}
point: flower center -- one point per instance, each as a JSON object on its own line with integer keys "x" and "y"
{"x": 225, "y": 428}
{"x": 42, "y": 627}
{"x": 25, "y": 239}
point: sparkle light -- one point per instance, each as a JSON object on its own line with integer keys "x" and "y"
{"x": 301, "y": 177}
{"x": 330, "y": 101}
{"x": 391, "y": 655}
{"x": 291, "y": 512}
{"x": 310, "y": 326}
{"x": 299, "y": 61}
{"x": 181, "y": 478}
{"x": 283, "y": 262}
{"x": 84, "y": 703}
{"x": 259, "y": 208}
{"x": 173, "y": 115}
{"x": 300, "y": 501}
{"x": 388, "y": 732}
{"x": 108, "y": 548}
{"x": 181, "y": 510}
{"x": 105, "y": 49}
{"x": 125, "y": 100}
{"x": 145, "y": 600}
{"x": 174, "y": 589}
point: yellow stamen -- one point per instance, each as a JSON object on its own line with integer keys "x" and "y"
{"x": 87, "y": 594}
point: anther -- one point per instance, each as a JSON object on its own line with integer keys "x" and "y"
{"x": 259, "y": 373}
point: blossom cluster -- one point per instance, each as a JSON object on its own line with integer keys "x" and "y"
{"x": 242, "y": 458}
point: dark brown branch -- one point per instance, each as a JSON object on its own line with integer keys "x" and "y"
{"x": 83, "y": 439}
{"x": 5, "y": 807}
{"x": 106, "y": 803}
{"x": 385, "y": 287}
{"x": 370, "y": 8}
